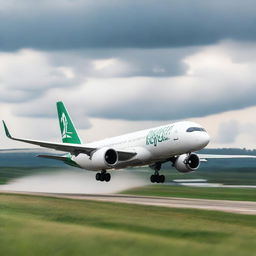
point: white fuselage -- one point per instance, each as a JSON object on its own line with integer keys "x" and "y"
{"x": 151, "y": 145}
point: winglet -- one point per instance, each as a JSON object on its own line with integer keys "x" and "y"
{"x": 6, "y": 130}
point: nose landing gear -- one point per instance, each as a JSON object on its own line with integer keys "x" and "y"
{"x": 103, "y": 176}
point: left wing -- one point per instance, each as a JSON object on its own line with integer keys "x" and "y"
{"x": 66, "y": 147}
{"x": 74, "y": 149}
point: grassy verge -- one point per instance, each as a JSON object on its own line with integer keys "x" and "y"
{"x": 243, "y": 194}
{"x": 31, "y": 225}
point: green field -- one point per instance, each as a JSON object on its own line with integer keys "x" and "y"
{"x": 31, "y": 225}
{"x": 221, "y": 193}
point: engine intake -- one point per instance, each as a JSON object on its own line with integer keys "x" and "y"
{"x": 111, "y": 156}
{"x": 187, "y": 163}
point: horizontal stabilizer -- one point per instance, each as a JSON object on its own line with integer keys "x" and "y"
{"x": 61, "y": 158}
{"x": 64, "y": 159}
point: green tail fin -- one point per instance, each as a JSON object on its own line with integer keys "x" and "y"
{"x": 68, "y": 131}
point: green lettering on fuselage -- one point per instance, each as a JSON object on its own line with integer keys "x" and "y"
{"x": 158, "y": 135}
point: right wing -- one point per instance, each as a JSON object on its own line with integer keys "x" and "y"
{"x": 205, "y": 157}
{"x": 74, "y": 149}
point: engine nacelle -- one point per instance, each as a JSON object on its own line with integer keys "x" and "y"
{"x": 107, "y": 157}
{"x": 187, "y": 163}
{"x": 103, "y": 158}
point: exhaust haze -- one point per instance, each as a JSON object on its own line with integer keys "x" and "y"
{"x": 68, "y": 181}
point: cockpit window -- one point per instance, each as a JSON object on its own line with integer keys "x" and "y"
{"x": 198, "y": 129}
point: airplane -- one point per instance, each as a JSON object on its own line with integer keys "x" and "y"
{"x": 175, "y": 143}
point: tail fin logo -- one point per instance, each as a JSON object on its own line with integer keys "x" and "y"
{"x": 65, "y": 132}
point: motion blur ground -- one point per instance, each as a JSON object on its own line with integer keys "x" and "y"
{"x": 34, "y": 225}
{"x": 50, "y": 226}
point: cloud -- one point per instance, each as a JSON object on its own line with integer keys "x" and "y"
{"x": 211, "y": 83}
{"x": 109, "y": 63}
{"x": 234, "y": 128}
{"x": 228, "y": 131}
{"x": 56, "y": 25}
{"x": 28, "y": 74}
{"x": 128, "y": 62}
{"x": 45, "y": 107}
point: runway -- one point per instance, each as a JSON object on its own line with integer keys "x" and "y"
{"x": 241, "y": 207}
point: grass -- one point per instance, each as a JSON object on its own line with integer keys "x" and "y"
{"x": 31, "y": 225}
{"x": 238, "y": 194}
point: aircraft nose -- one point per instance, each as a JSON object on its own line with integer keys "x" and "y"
{"x": 205, "y": 139}
{"x": 202, "y": 140}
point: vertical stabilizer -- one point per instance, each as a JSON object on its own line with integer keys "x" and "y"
{"x": 68, "y": 131}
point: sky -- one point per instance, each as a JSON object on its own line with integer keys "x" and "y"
{"x": 121, "y": 66}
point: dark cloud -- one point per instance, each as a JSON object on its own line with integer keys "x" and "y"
{"x": 153, "y": 106}
{"x": 213, "y": 83}
{"x": 28, "y": 74}
{"x": 137, "y": 62}
{"x": 143, "y": 100}
{"x": 128, "y": 23}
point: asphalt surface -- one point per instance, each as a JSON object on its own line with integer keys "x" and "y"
{"x": 241, "y": 207}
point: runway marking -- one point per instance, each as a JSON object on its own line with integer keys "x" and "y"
{"x": 241, "y": 207}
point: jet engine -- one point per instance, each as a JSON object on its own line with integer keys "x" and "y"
{"x": 187, "y": 163}
{"x": 103, "y": 158}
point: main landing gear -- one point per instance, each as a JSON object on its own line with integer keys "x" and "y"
{"x": 103, "y": 176}
{"x": 156, "y": 178}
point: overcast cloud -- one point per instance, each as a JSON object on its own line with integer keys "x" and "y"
{"x": 214, "y": 79}
{"x": 129, "y": 63}
{"x": 55, "y": 25}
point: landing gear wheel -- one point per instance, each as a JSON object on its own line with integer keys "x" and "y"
{"x": 107, "y": 177}
{"x": 161, "y": 178}
{"x": 102, "y": 176}
{"x": 152, "y": 178}
{"x": 98, "y": 174}
{"x": 156, "y": 178}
